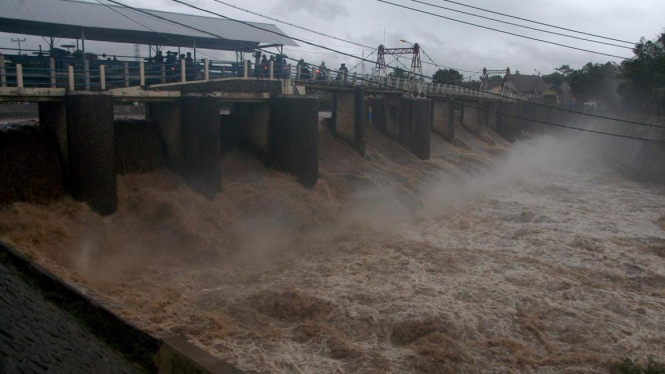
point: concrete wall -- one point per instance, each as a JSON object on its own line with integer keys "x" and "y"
{"x": 443, "y": 118}
{"x": 472, "y": 119}
{"x": 252, "y": 123}
{"x": 168, "y": 116}
{"x": 406, "y": 120}
{"x": 349, "y": 118}
{"x": 295, "y": 137}
{"x": 344, "y": 116}
{"x": 30, "y": 110}
{"x": 494, "y": 115}
{"x": 510, "y": 124}
{"x": 90, "y": 140}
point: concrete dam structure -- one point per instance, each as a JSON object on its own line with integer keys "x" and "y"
{"x": 264, "y": 116}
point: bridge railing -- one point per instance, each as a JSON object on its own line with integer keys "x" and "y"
{"x": 328, "y": 77}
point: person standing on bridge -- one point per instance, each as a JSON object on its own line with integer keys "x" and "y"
{"x": 342, "y": 72}
{"x": 304, "y": 70}
{"x": 322, "y": 72}
{"x": 264, "y": 66}
{"x": 159, "y": 57}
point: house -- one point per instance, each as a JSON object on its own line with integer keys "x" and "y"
{"x": 560, "y": 94}
{"x": 529, "y": 85}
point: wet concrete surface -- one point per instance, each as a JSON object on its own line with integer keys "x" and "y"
{"x": 38, "y": 337}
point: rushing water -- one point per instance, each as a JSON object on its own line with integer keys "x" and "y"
{"x": 533, "y": 257}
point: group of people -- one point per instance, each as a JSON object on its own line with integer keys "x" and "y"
{"x": 262, "y": 66}
{"x": 170, "y": 58}
{"x": 321, "y": 73}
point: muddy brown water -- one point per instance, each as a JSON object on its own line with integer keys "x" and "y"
{"x": 490, "y": 257}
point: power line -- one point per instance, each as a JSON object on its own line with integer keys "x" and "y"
{"x": 307, "y": 29}
{"x": 536, "y": 22}
{"x": 518, "y": 25}
{"x": 502, "y": 31}
{"x": 360, "y": 58}
{"x": 569, "y": 127}
{"x": 136, "y": 55}
{"x": 423, "y": 76}
{"x": 292, "y": 25}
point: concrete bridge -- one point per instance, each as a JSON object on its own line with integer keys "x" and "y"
{"x": 271, "y": 114}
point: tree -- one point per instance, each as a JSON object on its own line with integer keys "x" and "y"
{"x": 595, "y": 82}
{"x": 644, "y": 83}
{"x": 399, "y": 73}
{"x": 448, "y": 76}
{"x": 564, "y": 70}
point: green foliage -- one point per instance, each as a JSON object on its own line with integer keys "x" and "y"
{"x": 594, "y": 82}
{"x": 628, "y": 366}
{"x": 555, "y": 78}
{"x": 399, "y": 73}
{"x": 448, "y": 76}
{"x": 645, "y": 75}
{"x": 77, "y": 54}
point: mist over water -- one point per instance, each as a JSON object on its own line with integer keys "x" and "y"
{"x": 493, "y": 257}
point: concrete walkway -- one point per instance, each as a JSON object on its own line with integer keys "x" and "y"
{"x": 38, "y": 337}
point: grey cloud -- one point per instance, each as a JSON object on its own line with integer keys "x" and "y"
{"x": 322, "y": 9}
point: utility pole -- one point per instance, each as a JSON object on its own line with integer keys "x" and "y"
{"x": 19, "y": 41}
{"x": 362, "y": 65}
{"x": 137, "y": 52}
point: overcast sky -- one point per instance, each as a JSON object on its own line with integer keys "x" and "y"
{"x": 449, "y": 43}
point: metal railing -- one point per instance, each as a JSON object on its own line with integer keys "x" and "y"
{"x": 321, "y": 76}
{"x": 100, "y": 75}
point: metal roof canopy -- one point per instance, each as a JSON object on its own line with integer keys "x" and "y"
{"x": 73, "y": 19}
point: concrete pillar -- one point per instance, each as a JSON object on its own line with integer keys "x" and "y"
{"x": 295, "y": 137}
{"x": 91, "y": 149}
{"x": 443, "y": 118}
{"x": 348, "y": 118}
{"x": 168, "y": 116}
{"x": 201, "y": 148}
{"x": 472, "y": 117}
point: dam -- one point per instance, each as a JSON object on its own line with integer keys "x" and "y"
{"x": 213, "y": 216}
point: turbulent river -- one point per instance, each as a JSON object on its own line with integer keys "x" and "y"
{"x": 490, "y": 257}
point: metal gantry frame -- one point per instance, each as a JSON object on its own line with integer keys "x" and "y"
{"x": 415, "y": 75}
{"x": 484, "y": 78}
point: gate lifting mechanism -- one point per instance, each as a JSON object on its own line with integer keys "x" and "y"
{"x": 415, "y": 80}
{"x": 485, "y": 78}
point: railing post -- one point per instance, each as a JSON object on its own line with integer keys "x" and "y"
{"x": 102, "y": 77}
{"x": 3, "y": 77}
{"x": 298, "y": 72}
{"x": 288, "y": 67}
{"x": 183, "y": 71}
{"x": 355, "y": 77}
{"x": 19, "y": 75}
{"x": 141, "y": 74}
{"x": 51, "y": 68}
{"x": 329, "y": 75}
{"x": 163, "y": 73}
{"x": 70, "y": 78}
{"x": 245, "y": 69}
{"x": 86, "y": 73}
{"x": 206, "y": 70}
{"x": 126, "y": 74}
{"x": 272, "y": 69}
